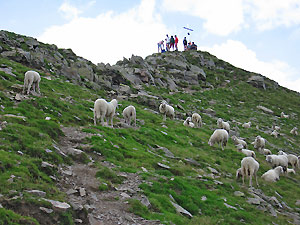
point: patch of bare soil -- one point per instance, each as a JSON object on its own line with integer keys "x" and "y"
{"x": 91, "y": 205}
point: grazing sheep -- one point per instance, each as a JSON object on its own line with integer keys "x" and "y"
{"x": 294, "y": 131}
{"x": 288, "y": 171}
{"x": 197, "y": 120}
{"x": 275, "y": 133}
{"x": 282, "y": 115}
{"x": 167, "y": 110}
{"x": 293, "y": 160}
{"x": 188, "y": 122}
{"x": 238, "y": 173}
{"x": 248, "y": 152}
{"x": 249, "y": 167}
{"x": 282, "y": 153}
{"x": 278, "y": 160}
{"x": 272, "y": 175}
{"x": 32, "y": 79}
{"x": 102, "y": 109}
{"x": 129, "y": 113}
{"x": 259, "y": 143}
{"x": 219, "y": 136}
{"x": 223, "y": 125}
{"x": 266, "y": 151}
{"x": 274, "y": 127}
{"x": 238, "y": 141}
{"x": 247, "y": 125}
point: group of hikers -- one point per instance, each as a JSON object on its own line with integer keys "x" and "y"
{"x": 172, "y": 43}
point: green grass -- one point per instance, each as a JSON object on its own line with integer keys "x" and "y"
{"x": 131, "y": 149}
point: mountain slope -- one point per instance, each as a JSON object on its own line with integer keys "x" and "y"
{"x": 158, "y": 162}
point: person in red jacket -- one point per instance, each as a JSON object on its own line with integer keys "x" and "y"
{"x": 176, "y": 42}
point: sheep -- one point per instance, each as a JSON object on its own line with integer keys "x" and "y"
{"x": 249, "y": 167}
{"x": 188, "y": 122}
{"x": 247, "y": 125}
{"x": 102, "y": 109}
{"x": 294, "y": 131}
{"x": 266, "y": 151}
{"x": 275, "y": 133}
{"x": 293, "y": 160}
{"x": 248, "y": 152}
{"x": 274, "y": 127}
{"x": 238, "y": 141}
{"x": 278, "y": 160}
{"x": 223, "y": 125}
{"x": 197, "y": 120}
{"x": 288, "y": 171}
{"x": 129, "y": 113}
{"x": 167, "y": 110}
{"x": 32, "y": 79}
{"x": 259, "y": 143}
{"x": 282, "y": 153}
{"x": 219, "y": 136}
{"x": 272, "y": 175}
{"x": 238, "y": 173}
{"x": 282, "y": 115}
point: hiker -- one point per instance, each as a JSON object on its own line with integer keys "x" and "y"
{"x": 193, "y": 46}
{"x": 167, "y": 43}
{"x": 176, "y": 43}
{"x": 161, "y": 46}
{"x": 172, "y": 42}
{"x": 185, "y": 44}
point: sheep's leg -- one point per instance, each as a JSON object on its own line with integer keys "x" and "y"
{"x": 95, "y": 118}
{"x": 243, "y": 178}
{"x": 250, "y": 180}
{"x": 33, "y": 87}
{"x": 111, "y": 121}
{"x": 102, "y": 120}
{"x": 38, "y": 87}
{"x": 29, "y": 86}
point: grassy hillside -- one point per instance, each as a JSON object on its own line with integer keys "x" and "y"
{"x": 26, "y": 136}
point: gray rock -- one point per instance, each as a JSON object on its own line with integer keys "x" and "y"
{"x": 257, "y": 81}
{"x": 163, "y": 166}
{"x": 239, "y": 194}
{"x": 266, "y": 110}
{"x": 212, "y": 170}
{"x": 57, "y": 205}
{"x": 46, "y": 210}
{"x": 253, "y": 201}
{"x": 37, "y": 193}
{"x": 230, "y": 206}
{"x": 181, "y": 210}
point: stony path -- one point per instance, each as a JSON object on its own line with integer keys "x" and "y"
{"x": 81, "y": 185}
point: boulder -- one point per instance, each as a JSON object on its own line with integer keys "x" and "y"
{"x": 257, "y": 81}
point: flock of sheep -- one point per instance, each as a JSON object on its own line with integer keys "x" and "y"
{"x": 249, "y": 165}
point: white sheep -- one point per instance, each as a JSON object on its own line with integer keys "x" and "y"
{"x": 259, "y": 143}
{"x": 219, "y": 136}
{"x": 197, "y": 120}
{"x": 266, "y": 151}
{"x": 272, "y": 175}
{"x": 129, "y": 113}
{"x": 223, "y": 125}
{"x": 249, "y": 167}
{"x": 247, "y": 125}
{"x": 32, "y": 79}
{"x": 288, "y": 171}
{"x": 275, "y": 133}
{"x": 292, "y": 159}
{"x": 248, "y": 152}
{"x": 294, "y": 131}
{"x": 274, "y": 127}
{"x": 104, "y": 109}
{"x": 278, "y": 160}
{"x": 238, "y": 141}
{"x": 167, "y": 110}
{"x": 282, "y": 115}
{"x": 188, "y": 122}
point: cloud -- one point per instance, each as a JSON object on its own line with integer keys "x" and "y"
{"x": 109, "y": 36}
{"x": 220, "y": 17}
{"x": 269, "y": 14}
{"x": 68, "y": 11}
{"x": 236, "y": 53}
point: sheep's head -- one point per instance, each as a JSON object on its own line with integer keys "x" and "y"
{"x": 238, "y": 173}
{"x": 210, "y": 143}
{"x": 239, "y": 147}
{"x": 269, "y": 158}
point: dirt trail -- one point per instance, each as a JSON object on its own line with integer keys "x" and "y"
{"x": 81, "y": 185}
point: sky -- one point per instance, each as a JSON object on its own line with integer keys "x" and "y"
{"x": 261, "y": 36}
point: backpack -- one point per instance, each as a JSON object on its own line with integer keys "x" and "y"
{"x": 172, "y": 40}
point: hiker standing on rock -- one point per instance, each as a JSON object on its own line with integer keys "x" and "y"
{"x": 185, "y": 44}
{"x": 168, "y": 43}
{"x": 172, "y": 43}
{"x": 176, "y": 43}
